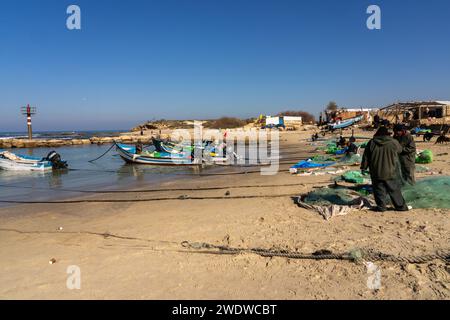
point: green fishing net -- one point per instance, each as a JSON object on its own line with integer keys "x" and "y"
{"x": 331, "y": 196}
{"x": 351, "y": 159}
{"x": 422, "y": 169}
{"x": 332, "y": 149}
{"x": 327, "y": 144}
{"x": 356, "y": 177}
{"x": 424, "y": 157}
{"x": 323, "y": 158}
{"x": 433, "y": 192}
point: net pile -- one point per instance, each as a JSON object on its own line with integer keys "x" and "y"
{"x": 425, "y": 157}
{"x": 323, "y": 158}
{"x": 356, "y": 177}
{"x": 332, "y": 196}
{"x": 431, "y": 192}
{"x": 351, "y": 159}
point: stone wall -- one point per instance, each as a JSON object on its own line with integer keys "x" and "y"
{"x": 37, "y": 143}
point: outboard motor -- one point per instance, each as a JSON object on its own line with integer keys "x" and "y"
{"x": 56, "y": 161}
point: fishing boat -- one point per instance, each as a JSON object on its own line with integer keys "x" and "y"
{"x": 345, "y": 123}
{"x": 128, "y": 153}
{"x": 14, "y": 162}
{"x": 170, "y": 147}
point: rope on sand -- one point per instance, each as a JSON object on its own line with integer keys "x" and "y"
{"x": 164, "y": 190}
{"x": 356, "y": 255}
{"x": 182, "y": 197}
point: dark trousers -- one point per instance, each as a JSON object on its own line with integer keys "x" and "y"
{"x": 408, "y": 172}
{"x": 383, "y": 188}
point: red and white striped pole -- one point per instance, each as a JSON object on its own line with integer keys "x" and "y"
{"x": 30, "y": 131}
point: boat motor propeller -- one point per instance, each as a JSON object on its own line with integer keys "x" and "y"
{"x": 56, "y": 161}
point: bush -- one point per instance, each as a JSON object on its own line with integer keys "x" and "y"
{"x": 225, "y": 122}
{"x": 332, "y": 106}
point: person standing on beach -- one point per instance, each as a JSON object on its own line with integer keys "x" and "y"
{"x": 381, "y": 157}
{"x": 408, "y": 155}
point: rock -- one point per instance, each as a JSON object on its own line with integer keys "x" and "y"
{"x": 107, "y": 140}
{"x": 5, "y": 143}
{"x": 77, "y": 142}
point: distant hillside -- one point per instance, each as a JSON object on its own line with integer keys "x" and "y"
{"x": 221, "y": 123}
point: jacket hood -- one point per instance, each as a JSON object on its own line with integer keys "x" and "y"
{"x": 382, "y": 140}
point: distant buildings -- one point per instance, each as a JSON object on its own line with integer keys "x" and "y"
{"x": 418, "y": 113}
{"x": 283, "y": 121}
{"x": 348, "y": 113}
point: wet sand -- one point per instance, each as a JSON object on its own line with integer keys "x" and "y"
{"x": 140, "y": 257}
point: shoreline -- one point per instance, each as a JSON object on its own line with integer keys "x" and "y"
{"x": 140, "y": 243}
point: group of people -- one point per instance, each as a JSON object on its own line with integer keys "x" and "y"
{"x": 391, "y": 163}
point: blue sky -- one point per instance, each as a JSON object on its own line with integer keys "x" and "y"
{"x": 137, "y": 60}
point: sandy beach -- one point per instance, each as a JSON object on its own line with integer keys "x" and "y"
{"x": 131, "y": 250}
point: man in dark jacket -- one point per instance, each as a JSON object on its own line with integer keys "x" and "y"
{"x": 408, "y": 155}
{"x": 381, "y": 158}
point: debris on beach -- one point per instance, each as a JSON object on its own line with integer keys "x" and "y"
{"x": 52, "y": 261}
{"x": 331, "y": 202}
{"x": 340, "y": 200}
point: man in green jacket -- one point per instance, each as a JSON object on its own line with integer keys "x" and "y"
{"x": 408, "y": 155}
{"x": 381, "y": 158}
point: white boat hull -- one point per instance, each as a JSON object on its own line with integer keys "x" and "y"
{"x": 6, "y": 164}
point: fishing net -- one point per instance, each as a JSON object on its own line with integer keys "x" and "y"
{"x": 422, "y": 169}
{"x": 331, "y": 149}
{"x": 323, "y": 158}
{"x": 356, "y": 177}
{"x": 433, "y": 192}
{"x": 425, "y": 157}
{"x": 326, "y": 144}
{"x": 331, "y": 196}
{"x": 350, "y": 159}
{"x": 430, "y": 192}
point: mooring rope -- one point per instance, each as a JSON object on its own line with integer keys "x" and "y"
{"x": 165, "y": 189}
{"x": 354, "y": 255}
{"x": 182, "y": 197}
{"x": 112, "y": 146}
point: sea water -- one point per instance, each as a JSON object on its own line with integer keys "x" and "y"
{"x": 108, "y": 173}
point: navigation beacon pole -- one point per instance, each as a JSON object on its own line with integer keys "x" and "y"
{"x": 28, "y": 111}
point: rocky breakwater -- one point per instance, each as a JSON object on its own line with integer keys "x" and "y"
{"x": 39, "y": 143}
